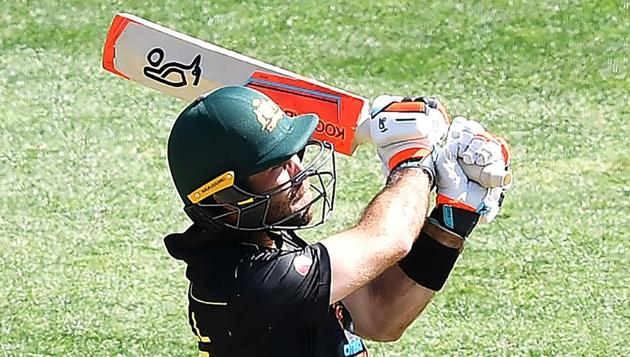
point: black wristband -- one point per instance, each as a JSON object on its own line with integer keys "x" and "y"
{"x": 455, "y": 219}
{"x": 429, "y": 263}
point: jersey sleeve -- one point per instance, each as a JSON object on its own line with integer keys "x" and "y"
{"x": 281, "y": 287}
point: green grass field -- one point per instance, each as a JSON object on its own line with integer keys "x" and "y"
{"x": 86, "y": 196}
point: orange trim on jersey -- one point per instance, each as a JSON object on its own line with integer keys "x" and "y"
{"x": 407, "y": 154}
{"x": 415, "y": 107}
{"x": 119, "y": 24}
{"x": 445, "y": 200}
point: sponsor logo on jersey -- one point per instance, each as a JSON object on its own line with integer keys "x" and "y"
{"x": 354, "y": 347}
{"x": 302, "y": 264}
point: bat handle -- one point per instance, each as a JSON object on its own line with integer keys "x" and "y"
{"x": 362, "y": 131}
{"x": 490, "y": 176}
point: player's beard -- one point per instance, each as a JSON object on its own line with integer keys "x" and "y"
{"x": 297, "y": 199}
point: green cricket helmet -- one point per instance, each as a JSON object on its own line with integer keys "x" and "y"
{"x": 234, "y": 132}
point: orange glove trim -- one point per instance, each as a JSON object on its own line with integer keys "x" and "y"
{"x": 505, "y": 148}
{"x": 442, "y": 109}
{"x": 445, "y": 200}
{"x": 408, "y": 154}
{"x": 406, "y": 107}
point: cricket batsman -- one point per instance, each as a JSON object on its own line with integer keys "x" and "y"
{"x": 250, "y": 177}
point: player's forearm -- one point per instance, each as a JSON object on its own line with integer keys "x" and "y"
{"x": 394, "y": 303}
{"x": 398, "y": 212}
{"x": 385, "y": 307}
{"x": 385, "y": 234}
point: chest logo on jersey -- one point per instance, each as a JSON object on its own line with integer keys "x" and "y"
{"x": 302, "y": 264}
{"x": 354, "y": 347}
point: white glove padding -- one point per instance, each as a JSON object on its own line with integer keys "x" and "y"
{"x": 470, "y": 149}
{"x": 403, "y": 128}
{"x": 484, "y": 158}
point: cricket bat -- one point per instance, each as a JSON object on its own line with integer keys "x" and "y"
{"x": 186, "y": 67}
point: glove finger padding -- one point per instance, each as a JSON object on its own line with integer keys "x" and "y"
{"x": 471, "y": 170}
{"x": 484, "y": 158}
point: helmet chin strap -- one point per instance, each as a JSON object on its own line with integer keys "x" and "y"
{"x": 200, "y": 215}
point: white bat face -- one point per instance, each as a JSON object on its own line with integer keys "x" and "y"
{"x": 186, "y": 67}
{"x": 174, "y": 63}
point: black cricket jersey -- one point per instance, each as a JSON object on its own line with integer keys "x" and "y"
{"x": 245, "y": 300}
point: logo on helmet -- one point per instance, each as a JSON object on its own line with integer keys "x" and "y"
{"x": 267, "y": 113}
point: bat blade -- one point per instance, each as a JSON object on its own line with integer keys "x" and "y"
{"x": 186, "y": 67}
{"x": 172, "y": 62}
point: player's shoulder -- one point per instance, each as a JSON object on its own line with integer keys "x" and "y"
{"x": 270, "y": 268}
